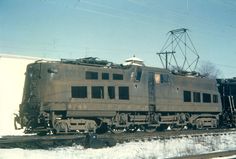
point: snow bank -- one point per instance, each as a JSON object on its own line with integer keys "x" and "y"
{"x": 133, "y": 150}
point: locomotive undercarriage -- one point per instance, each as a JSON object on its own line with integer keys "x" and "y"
{"x": 58, "y": 123}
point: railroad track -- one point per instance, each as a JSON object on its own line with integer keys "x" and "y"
{"x": 165, "y": 135}
{"x": 40, "y": 142}
{"x": 102, "y": 140}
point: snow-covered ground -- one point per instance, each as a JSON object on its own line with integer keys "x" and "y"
{"x": 133, "y": 150}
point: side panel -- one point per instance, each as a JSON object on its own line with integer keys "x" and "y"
{"x": 170, "y": 95}
{"x": 57, "y": 93}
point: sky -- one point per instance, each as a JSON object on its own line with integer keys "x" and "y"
{"x": 116, "y": 30}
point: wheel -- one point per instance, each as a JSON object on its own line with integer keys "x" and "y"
{"x": 117, "y": 130}
{"x": 149, "y": 129}
{"x": 162, "y": 128}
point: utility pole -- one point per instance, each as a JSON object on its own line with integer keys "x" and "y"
{"x": 166, "y": 59}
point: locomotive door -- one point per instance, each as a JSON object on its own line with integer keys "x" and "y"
{"x": 151, "y": 92}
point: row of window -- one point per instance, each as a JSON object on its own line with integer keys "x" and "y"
{"x": 105, "y": 76}
{"x": 159, "y": 78}
{"x": 197, "y": 98}
{"x": 97, "y": 92}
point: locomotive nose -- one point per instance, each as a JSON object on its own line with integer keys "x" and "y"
{"x": 29, "y": 107}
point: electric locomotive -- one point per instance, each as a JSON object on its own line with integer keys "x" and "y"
{"x": 91, "y": 95}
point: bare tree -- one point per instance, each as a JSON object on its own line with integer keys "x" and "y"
{"x": 209, "y": 70}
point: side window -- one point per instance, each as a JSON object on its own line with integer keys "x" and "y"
{"x": 124, "y": 93}
{"x": 187, "y": 96}
{"x": 161, "y": 78}
{"x": 111, "y": 92}
{"x": 91, "y": 75}
{"x": 206, "y": 98}
{"x": 215, "y": 98}
{"x": 138, "y": 74}
{"x": 164, "y": 78}
{"x": 157, "y": 78}
{"x": 79, "y": 92}
{"x": 97, "y": 92}
{"x": 196, "y": 97}
{"x": 117, "y": 77}
{"x": 105, "y": 76}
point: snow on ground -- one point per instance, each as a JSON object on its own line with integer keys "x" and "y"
{"x": 134, "y": 150}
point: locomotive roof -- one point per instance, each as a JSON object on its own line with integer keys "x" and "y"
{"x": 95, "y": 62}
{"x": 91, "y": 61}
